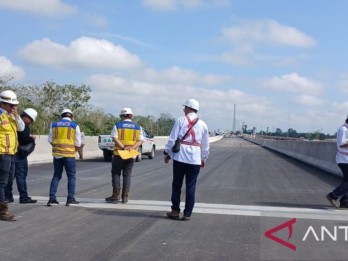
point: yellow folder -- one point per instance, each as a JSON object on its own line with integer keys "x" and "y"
{"x": 127, "y": 154}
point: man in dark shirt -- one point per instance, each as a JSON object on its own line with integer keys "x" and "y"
{"x": 21, "y": 159}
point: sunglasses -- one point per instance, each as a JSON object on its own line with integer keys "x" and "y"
{"x": 11, "y": 105}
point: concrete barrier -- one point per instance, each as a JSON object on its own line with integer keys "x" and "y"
{"x": 43, "y": 150}
{"x": 321, "y": 154}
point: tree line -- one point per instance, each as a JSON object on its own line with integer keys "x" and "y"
{"x": 50, "y": 98}
{"x": 292, "y": 133}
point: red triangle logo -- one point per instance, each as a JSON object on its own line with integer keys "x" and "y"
{"x": 288, "y": 224}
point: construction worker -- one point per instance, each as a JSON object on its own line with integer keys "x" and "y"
{"x": 127, "y": 136}
{"x": 26, "y": 146}
{"x": 65, "y": 138}
{"x": 193, "y": 136}
{"x": 10, "y": 122}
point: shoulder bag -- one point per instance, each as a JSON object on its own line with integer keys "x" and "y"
{"x": 25, "y": 150}
{"x": 176, "y": 147}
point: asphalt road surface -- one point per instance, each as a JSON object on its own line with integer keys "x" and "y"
{"x": 244, "y": 191}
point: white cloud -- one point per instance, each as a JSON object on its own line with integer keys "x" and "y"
{"x": 178, "y": 75}
{"x": 341, "y": 108}
{"x": 40, "y": 7}
{"x": 308, "y": 100}
{"x": 83, "y": 52}
{"x": 267, "y": 31}
{"x": 246, "y": 38}
{"x": 148, "y": 98}
{"x": 160, "y": 4}
{"x": 294, "y": 83}
{"x": 176, "y": 4}
{"x": 8, "y": 70}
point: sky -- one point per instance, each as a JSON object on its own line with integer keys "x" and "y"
{"x": 272, "y": 63}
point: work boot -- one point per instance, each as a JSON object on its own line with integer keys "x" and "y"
{"x": 125, "y": 195}
{"x": 174, "y": 214}
{"x": 4, "y": 215}
{"x": 332, "y": 199}
{"x": 115, "y": 195}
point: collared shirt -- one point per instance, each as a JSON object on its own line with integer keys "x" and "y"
{"x": 77, "y": 135}
{"x": 114, "y": 132}
{"x": 20, "y": 124}
{"x": 190, "y": 154}
{"x": 342, "y": 138}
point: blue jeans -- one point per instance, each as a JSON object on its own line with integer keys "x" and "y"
{"x": 342, "y": 190}
{"x": 190, "y": 172}
{"x": 70, "y": 168}
{"x": 21, "y": 172}
{"x": 7, "y": 168}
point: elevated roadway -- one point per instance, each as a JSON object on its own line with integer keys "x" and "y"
{"x": 244, "y": 191}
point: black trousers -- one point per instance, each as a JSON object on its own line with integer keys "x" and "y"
{"x": 122, "y": 167}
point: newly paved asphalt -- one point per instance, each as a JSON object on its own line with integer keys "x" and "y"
{"x": 244, "y": 191}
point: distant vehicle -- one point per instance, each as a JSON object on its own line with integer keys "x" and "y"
{"x": 148, "y": 147}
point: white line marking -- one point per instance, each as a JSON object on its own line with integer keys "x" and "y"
{"x": 205, "y": 208}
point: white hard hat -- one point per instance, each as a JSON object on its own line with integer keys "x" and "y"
{"x": 9, "y": 97}
{"x": 66, "y": 111}
{"x": 192, "y": 103}
{"x": 126, "y": 111}
{"x": 31, "y": 113}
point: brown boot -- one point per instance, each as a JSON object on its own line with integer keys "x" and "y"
{"x": 4, "y": 215}
{"x": 174, "y": 214}
{"x": 125, "y": 195}
{"x": 115, "y": 195}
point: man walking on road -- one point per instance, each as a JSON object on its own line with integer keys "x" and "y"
{"x": 10, "y": 122}
{"x": 26, "y": 146}
{"x": 194, "y": 150}
{"x": 65, "y": 138}
{"x": 342, "y": 162}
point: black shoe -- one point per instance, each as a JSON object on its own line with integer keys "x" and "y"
{"x": 27, "y": 200}
{"x": 52, "y": 202}
{"x": 71, "y": 201}
{"x": 332, "y": 199}
{"x": 9, "y": 200}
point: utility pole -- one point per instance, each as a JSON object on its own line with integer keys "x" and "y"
{"x": 234, "y": 119}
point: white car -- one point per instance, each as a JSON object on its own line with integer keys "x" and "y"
{"x": 148, "y": 147}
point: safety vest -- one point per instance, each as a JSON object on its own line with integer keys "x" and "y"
{"x": 63, "y": 138}
{"x": 128, "y": 133}
{"x": 8, "y": 134}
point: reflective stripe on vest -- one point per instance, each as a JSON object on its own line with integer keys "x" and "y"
{"x": 191, "y": 133}
{"x": 128, "y": 134}
{"x": 63, "y": 138}
{"x": 8, "y": 134}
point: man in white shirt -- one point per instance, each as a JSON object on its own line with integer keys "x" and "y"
{"x": 342, "y": 162}
{"x": 194, "y": 150}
